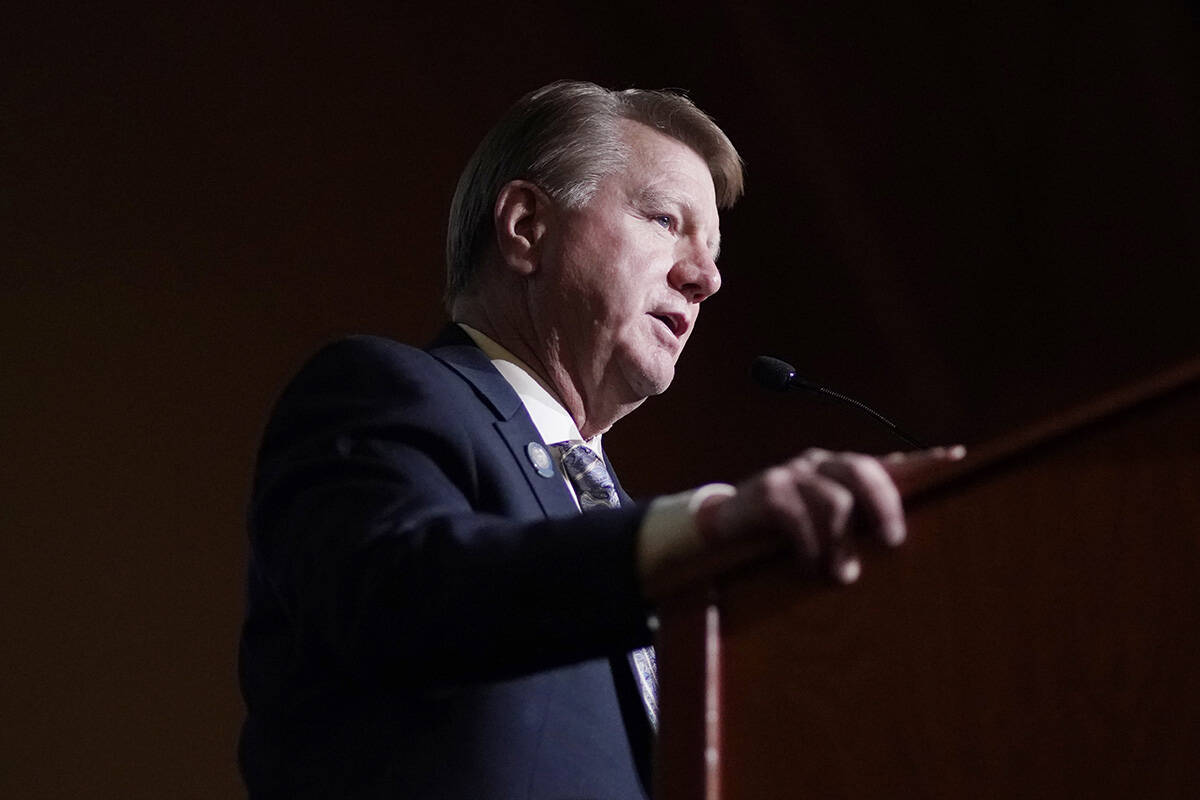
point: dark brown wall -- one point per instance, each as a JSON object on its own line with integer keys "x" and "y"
{"x": 970, "y": 219}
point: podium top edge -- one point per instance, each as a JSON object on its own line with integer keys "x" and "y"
{"x": 1108, "y": 406}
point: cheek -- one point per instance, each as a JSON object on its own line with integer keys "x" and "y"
{"x": 615, "y": 298}
{"x": 610, "y": 281}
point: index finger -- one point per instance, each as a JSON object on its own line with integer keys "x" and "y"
{"x": 910, "y": 469}
{"x": 876, "y": 498}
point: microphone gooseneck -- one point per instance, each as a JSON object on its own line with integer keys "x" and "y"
{"x": 780, "y": 376}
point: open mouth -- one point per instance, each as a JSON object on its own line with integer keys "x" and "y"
{"x": 674, "y": 324}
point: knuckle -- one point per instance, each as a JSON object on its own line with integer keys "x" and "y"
{"x": 854, "y": 465}
{"x": 779, "y": 475}
{"x": 776, "y": 482}
{"x": 800, "y": 464}
{"x": 816, "y": 454}
{"x": 841, "y": 500}
{"x": 858, "y": 462}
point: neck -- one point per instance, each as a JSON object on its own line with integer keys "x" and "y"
{"x": 544, "y": 357}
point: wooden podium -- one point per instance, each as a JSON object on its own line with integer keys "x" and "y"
{"x": 1037, "y": 636}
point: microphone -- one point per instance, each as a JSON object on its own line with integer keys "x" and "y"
{"x": 780, "y": 376}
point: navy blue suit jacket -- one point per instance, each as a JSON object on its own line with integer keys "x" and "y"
{"x": 427, "y": 616}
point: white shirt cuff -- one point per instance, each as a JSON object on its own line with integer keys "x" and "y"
{"x": 668, "y": 533}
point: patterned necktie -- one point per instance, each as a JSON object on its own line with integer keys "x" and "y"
{"x": 595, "y": 489}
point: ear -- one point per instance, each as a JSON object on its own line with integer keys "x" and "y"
{"x": 521, "y": 218}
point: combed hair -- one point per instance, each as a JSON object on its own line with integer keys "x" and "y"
{"x": 565, "y": 138}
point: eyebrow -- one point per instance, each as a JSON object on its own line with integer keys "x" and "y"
{"x": 655, "y": 197}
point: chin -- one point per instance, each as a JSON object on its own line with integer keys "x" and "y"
{"x": 651, "y": 382}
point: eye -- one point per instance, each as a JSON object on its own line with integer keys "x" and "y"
{"x": 666, "y": 221}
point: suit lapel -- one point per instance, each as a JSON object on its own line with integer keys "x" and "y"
{"x": 552, "y": 493}
{"x": 456, "y": 350}
{"x": 626, "y": 500}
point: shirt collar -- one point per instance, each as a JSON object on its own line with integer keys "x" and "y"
{"x": 553, "y": 422}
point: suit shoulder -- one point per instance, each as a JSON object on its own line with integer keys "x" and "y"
{"x": 364, "y": 381}
{"x": 366, "y": 366}
{"x": 366, "y": 353}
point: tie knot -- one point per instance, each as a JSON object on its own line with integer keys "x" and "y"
{"x": 587, "y": 473}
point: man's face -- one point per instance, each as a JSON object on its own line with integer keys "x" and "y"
{"x": 625, "y": 274}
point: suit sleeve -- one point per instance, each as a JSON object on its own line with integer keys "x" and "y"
{"x": 381, "y": 530}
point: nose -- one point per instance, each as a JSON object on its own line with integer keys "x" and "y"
{"x": 695, "y": 274}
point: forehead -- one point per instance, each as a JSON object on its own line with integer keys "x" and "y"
{"x": 659, "y": 164}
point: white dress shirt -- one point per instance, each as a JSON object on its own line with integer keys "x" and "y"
{"x": 668, "y": 531}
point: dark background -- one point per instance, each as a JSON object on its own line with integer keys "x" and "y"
{"x": 970, "y": 217}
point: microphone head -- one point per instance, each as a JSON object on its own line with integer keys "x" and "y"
{"x": 771, "y": 373}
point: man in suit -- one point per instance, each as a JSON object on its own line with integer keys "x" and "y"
{"x": 429, "y": 613}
